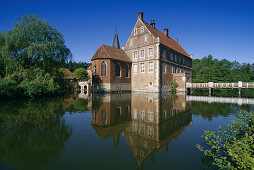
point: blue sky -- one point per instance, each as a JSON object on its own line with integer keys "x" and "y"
{"x": 223, "y": 28}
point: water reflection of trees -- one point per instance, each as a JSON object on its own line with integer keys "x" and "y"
{"x": 211, "y": 110}
{"x": 147, "y": 121}
{"x": 33, "y": 132}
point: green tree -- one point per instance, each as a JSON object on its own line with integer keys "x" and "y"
{"x": 232, "y": 147}
{"x": 81, "y": 74}
{"x": 33, "y": 42}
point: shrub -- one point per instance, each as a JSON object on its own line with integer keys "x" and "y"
{"x": 174, "y": 86}
{"x": 232, "y": 147}
{"x": 8, "y": 88}
{"x": 38, "y": 83}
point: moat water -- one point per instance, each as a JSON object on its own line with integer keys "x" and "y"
{"x": 111, "y": 131}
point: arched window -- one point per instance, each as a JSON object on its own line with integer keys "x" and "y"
{"x": 103, "y": 68}
{"x": 118, "y": 69}
{"x": 127, "y": 71}
{"x": 94, "y": 69}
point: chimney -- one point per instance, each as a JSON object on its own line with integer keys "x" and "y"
{"x": 176, "y": 39}
{"x": 140, "y": 15}
{"x": 152, "y": 23}
{"x": 166, "y": 31}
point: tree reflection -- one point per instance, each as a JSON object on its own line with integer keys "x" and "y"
{"x": 33, "y": 132}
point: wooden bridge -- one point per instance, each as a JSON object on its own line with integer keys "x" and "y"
{"x": 211, "y": 85}
{"x": 233, "y": 100}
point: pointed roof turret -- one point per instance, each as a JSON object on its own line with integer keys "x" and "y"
{"x": 116, "y": 41}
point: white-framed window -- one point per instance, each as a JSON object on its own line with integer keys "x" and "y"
{"x": 142, "y": 115}
{"x": 172, "y": 68}
{"x": 142, "y": 67}
{"x": 135, "y": 31}
{"x": 150, "y": 117}
{"x": 135, "y": 68}
{"x": 164, "y": 53}
{"x": 135, "y": 115}
{"x": 142, "y": 53}
{"x": 134, "y": 128}
{"x": 150, "y": 132}
{"x": 142, "y": 130}
{"x": 145, "y": 38}
{"x": 135, "y": 54}
{"x": 150, "y": 51}
{"x": 164, "y": 68}
{"x": 150, "y": 66}
{"x": 141, "y": 29}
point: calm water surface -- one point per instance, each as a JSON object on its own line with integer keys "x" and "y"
{"x": 117, "y": 131}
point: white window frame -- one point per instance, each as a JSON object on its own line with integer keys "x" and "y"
{"x": 146, "y": 39}
{"x": 142, "y": 115}
{"x": 135, "y": 31}
{"x": 150, "y": 117}
{"x": 142, "y": 29}
{"x": 150, "y": 66}
{"x": 135, "y": 54}
{"x": 141, "y": 53}
{"x": 142, "y": 67}
{"x": 149, "y": 52}
{"x": 135, "y": 68}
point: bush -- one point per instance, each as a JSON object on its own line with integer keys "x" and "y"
{"x": 232, "y": 147}
{"x": 38, "y": 83}
{"x": 8, "y": 88}
{"x": 174, "y": 86}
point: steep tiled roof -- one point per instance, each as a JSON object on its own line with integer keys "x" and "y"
{"x": 68, "y": 74}
{"x": 167, "y": 41}
{"x": 108, "y": 52}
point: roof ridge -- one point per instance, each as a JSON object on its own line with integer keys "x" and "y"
{"x": 106, "y": 50}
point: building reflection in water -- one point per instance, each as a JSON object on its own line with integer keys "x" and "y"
{"x": 147, "y": 121}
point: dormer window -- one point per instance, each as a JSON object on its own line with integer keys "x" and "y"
{"x": 141, "y": 29}
{"x": 135, "y": 31}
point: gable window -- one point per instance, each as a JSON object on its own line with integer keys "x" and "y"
{"x": 142, "y": 67}
{"x": 145, "y": 38}
{"x": 135, "y": 31}
{"x": 142, "y": 53}
{"x": 118, "y": 70}
{"x": 94, "y": 69}
{"x": 103, "y": 68}
{"x": 127, "y": 71}
{"x": 135, "y": 54}
{"x": 164, "y": 67}
{"x": 150, "y": 66}
{"x": 135, "y": 68}
{"x": 150, "y": 51}
{"x": 142, "y": 29}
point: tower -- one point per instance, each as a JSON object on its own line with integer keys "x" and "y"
{"x": 116, "y": 41}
